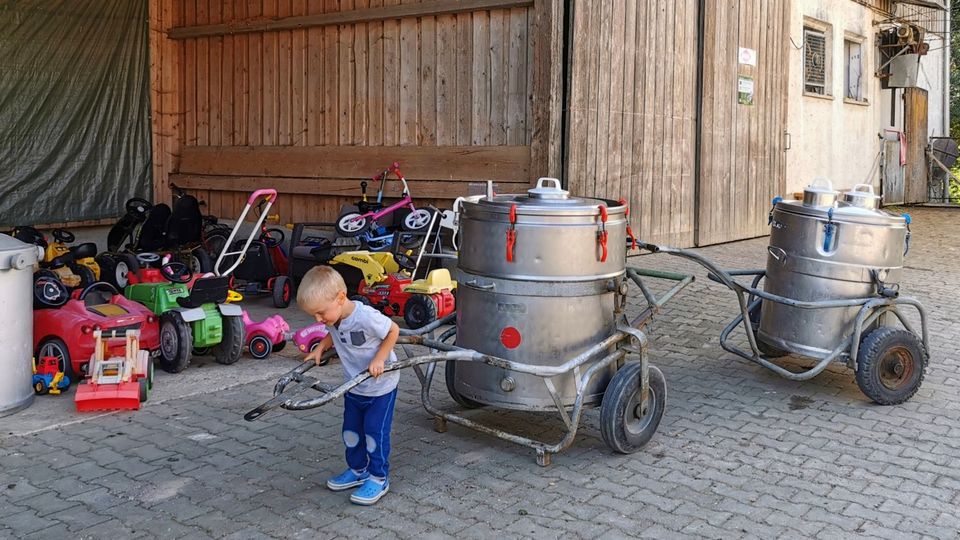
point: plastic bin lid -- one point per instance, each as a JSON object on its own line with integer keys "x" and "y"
{"x": 16, "y": 254}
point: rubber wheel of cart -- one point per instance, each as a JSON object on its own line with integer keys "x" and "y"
{"x": 419, "y": 311}
{"x": 143, "y": 390}
{"x": 229, "y": 349}
{"x": 621, "y": 427}
{"x": 277, "y": 347}
{"x": 176, "y": 338}
{"x": 57, "y": 348}
{"x": 350, "y": 225}
{"x": 449, "y": 375}
{"x": 767, "y": 350}
{"x": 87, "y": 277}
{"x": 150, "y": 374}
{"x": 281, "y": 292}
{"x": 891, "y": 364}
{"x": 260, "y": 347}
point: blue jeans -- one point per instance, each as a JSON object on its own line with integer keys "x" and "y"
{"x": 366, "y": 432}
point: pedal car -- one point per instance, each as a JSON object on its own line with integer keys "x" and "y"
{"x": 75, "y": 266}
{"x": 266, "y": 336}
{"x": 395, "y": 293}
{"x": 194, "y": 315}
{"x": 63, "y": 325}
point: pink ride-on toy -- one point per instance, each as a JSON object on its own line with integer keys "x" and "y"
{"x": 266, "y": 336}
{"x": 356, "y": 223}
{"x": 308, "y": 338}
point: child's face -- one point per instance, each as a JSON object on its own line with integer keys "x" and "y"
{"x": 329, "y": 313}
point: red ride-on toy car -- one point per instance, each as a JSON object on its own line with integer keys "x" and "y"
{"x": 63, "y": 325}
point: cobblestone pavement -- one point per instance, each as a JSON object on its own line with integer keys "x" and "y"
{"x": 740, "y": 451}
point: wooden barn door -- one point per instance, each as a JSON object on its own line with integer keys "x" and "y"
{"x": 915, "y": 128}
{"x": 631, "y": 128}
{"x": 743, "y": 117}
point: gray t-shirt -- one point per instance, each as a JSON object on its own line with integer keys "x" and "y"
{"x": 357, "y": 339}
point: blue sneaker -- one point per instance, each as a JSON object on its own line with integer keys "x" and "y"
{"x": 346, "y": 480}
{"x": 370, "y": 492}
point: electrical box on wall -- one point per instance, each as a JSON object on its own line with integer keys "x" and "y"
{"x": 900, "y": 49}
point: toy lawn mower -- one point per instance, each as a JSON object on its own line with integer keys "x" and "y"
{"x": 263, "y": 267}
{"x": 381, "y": 284}
{"x": 73, "y": 265}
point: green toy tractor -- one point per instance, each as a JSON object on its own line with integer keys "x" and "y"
{"x": 192, "y": 318}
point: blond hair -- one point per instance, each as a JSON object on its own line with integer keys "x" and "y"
{"x": 320, "y": 285}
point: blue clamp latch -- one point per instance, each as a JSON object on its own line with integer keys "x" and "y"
{"x": 828, "y": 231}
{"x": 906, "y": 241}
{"x": 773, "y": 204}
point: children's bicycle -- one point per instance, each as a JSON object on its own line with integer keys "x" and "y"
{"x": 356, "y": 223}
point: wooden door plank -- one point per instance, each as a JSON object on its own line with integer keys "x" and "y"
{"x": 427, "y": 132}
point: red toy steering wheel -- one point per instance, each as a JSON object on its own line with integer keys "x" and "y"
{"x": 176, "y": 272}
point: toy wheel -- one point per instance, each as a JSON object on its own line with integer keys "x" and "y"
{"x": 623, "y": 427}
{"x": 147, "y": 259}
{"x": 176, "y": 272}
{"x": 417, "y": 220}
{"x": 419, "y": 311}
{"x": 450, "y": 376}
{"x": 277, "y": 347}
{"x": 39, "y": 388}
{"x": 229, "y": 349}
{"x": 281, "y": 292}
{"x": 49, "y": 291}
{"x": 144, "y": 390}
{"x": 150, "y": 374}
{"x": 176, "y": 339}
{"x": 87, "y": 277}
{"x": 352, "y": 224}
{"x": 57, "y": 348}
{"x": 137, "y": 207}
{"x": 199, "y": 262}
{"x": 260, "y": 347}
{"x": 890, "y": 365}
{"x": 126, "y": 264}
{"x": 64, "y": 236}
{"x": 216, "y": 241}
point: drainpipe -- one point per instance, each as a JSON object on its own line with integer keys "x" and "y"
{"x": 948, "y": 40}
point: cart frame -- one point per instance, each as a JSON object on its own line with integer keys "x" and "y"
{"x": 628, "y": 339}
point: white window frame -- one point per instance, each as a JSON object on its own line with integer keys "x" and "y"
{"x": 825, "y": 29}
{"x": 848, "y": 68}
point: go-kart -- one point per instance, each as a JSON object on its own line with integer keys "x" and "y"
{"x": 63, "y": 324}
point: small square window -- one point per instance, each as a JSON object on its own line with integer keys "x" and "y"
{"x": 853, "y": 74}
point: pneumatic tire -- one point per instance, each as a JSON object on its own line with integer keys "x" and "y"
{"x": 891, "y": 364}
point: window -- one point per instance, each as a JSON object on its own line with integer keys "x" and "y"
{"x": 815, "y": 61}
{"x": 853, "y": 74}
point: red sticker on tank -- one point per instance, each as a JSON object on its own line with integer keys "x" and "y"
{"x": 510, "y": 337}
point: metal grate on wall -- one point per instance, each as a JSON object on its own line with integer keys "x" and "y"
{"x": 814, "y": 61}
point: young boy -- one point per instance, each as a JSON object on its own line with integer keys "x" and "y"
{"x": 364, "y": 340}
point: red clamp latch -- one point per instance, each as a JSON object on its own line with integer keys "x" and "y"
{"x": 602, "y": 233}
{"x": 626, "y": 214}
{"x": 512, "y": 233}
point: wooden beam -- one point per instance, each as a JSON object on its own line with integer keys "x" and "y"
{"x": 426, "y": 8}
{"x": 339, "y": 187}
{"x": 460, "y": 163}
{"x": 548, "y": 98}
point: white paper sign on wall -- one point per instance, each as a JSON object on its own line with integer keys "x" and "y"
{"x": 748, "y": 56}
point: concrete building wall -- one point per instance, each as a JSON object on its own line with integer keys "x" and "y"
{"x": 832, "y": 136}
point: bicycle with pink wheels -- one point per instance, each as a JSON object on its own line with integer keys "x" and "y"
{"x": 356, "y": 223}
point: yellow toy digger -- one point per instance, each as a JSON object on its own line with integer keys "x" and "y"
{"x": 385, "y": 283}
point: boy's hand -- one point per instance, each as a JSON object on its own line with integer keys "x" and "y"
{"x": 316, "y": 353}
{"x": 376, "y": 367}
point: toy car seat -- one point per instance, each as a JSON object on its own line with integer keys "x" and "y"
{"x": 206, "y": 290}
{"x": 29, "y": 235}
{"x": 84, "y": 250}
{"x": 185, "y": 225}
{"x": 151, "y": 234}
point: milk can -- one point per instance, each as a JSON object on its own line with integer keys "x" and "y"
{"x": 16, "y": 323}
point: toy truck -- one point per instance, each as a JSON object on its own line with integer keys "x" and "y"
{"x": 47, "y": 377}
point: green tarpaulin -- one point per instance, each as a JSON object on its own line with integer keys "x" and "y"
{"x": 74, "y": 109}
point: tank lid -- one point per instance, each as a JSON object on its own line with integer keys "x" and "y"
{"x": 852, "y": 214}
{"x": 543, "y": 191}
{"x": 821, "y": 185}
{"x": 16, "y": 254}
{"x": 862, "y": 196}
